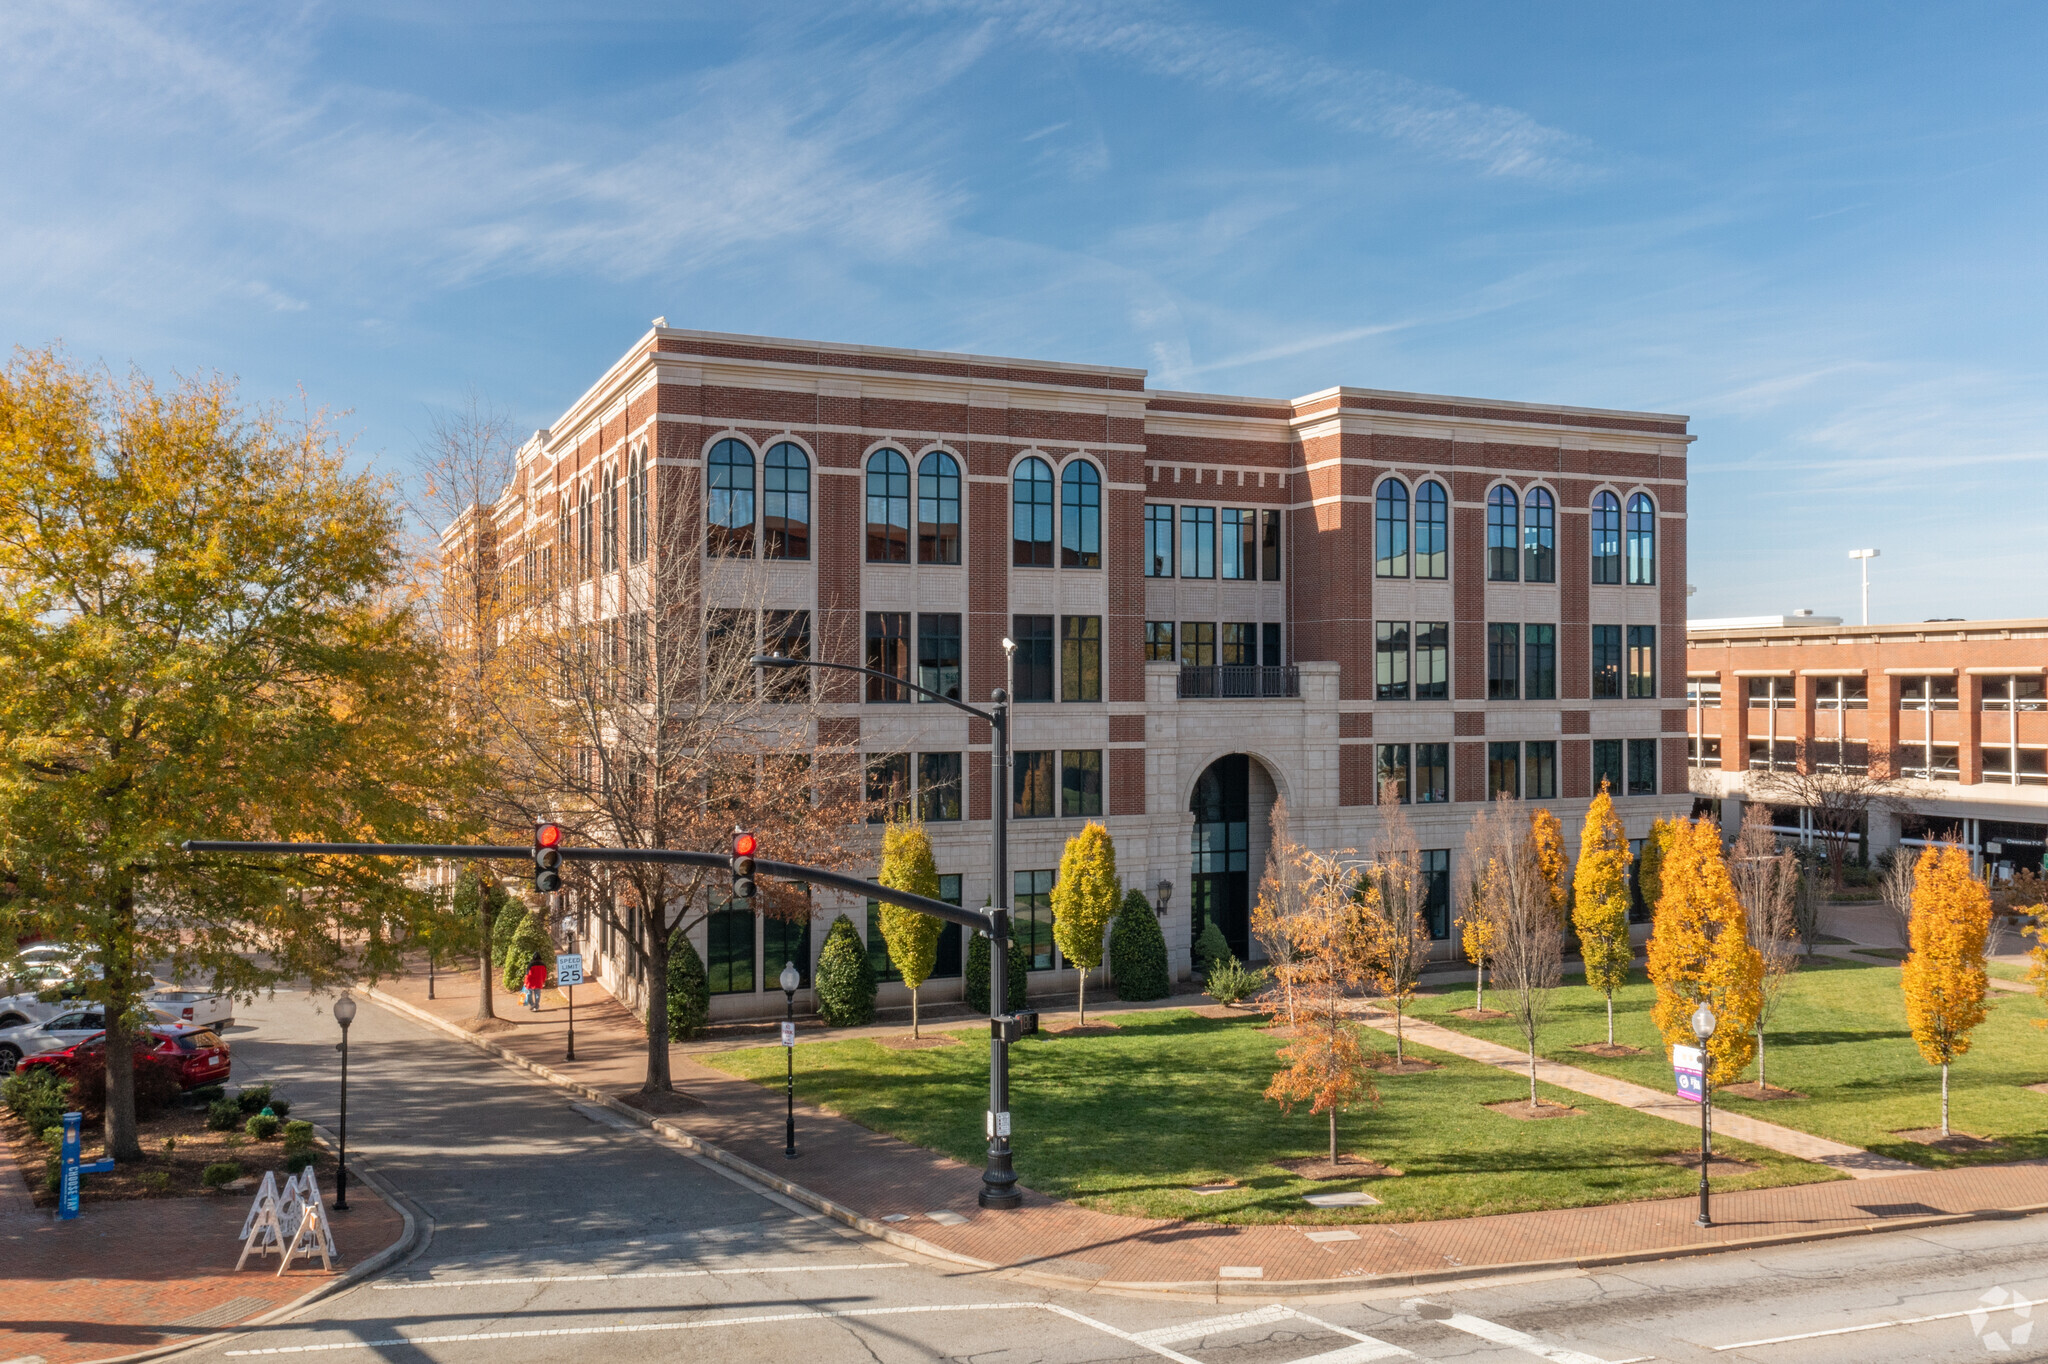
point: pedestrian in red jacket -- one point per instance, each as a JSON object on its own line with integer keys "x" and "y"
{"x": 536, "y": 981}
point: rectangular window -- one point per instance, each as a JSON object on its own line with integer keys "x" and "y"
{"x": 1936, "y": 762}
{"x": 947, "y": 966}
{"x": 1197, "y": 542}
{"x": 1925, "y": 693}
{"x": 1031, "y": 917}
{"x": 1503, "y": 770}
{"x": 729, "y": 951}
{"x": 1080, "y": 658}
{"x": 1197, "y": 644}
{"x": 1390, "y": 660}
{"x": 1607, "y": 766}
{"x": 1432, "y": 660}
{"x": 1539, "y": 770}
{"x": 1239, "y": 641}
{"x": 1237, "y": 544}
{"x": 1607, "y": 661}
{"x": 1032, "y": 779}
{"x": 938, "y": 653}
{"x": 1851, "y": 693}
{"x": 1269, "y": 653}
{"x": 1539, "y": 662}
{"x": 787, "y": 941}
{"x": 1158, "y": 540}
{"x": 878, "y": 947}
{"x": 1642, "y": 767}
{"x": 783, "y": 632}
{"x": 1767, "y": 755}
{"x": 2018, "y": 693}
{"x": 1392, "y": 774}
{"x": 1436, "y": 899}
{"x": 1706, "y": 752}
{"x": 1642, "y": 660}
{"x": 938, "y": 787}
{"x": 889, "y": 652}
{"x": 1432, "y": 774}
{"x": 1081, "y": 783}
{"x": 1269, "y": 547}
{"x": 1704, "y": 692}
{"x": 1503, "y": 660}
{"x": 1769, "y": 693}
{"x": 1033, "y": 668}
{"x": 1159, "y": 641}
{"x": 888, "y": 786}
{"x": 1850, "y": 756}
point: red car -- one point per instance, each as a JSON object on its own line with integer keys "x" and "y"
{"x": 195, "y": 1055}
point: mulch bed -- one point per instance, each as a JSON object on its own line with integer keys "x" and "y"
{"x": 662, "y": 1103}
{"x": 1519, "y": 1109}
{"x": 1609, "y": 1049}
{"x": 1717, "y": 1166}
{"x": 156, "y": 1175}
{"x": 1350, "y": 1165}
{"x": 1749, "y": 1089}
{"x": 1480, "y": 1015}
{"x": 487, "y": 1025}
{"x": 905, "y": 1042}
{"x": 1384, "y": 1064}
{"x": 1955, "y": 1143}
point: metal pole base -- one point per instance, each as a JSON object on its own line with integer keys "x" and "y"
{"x": 999, "y": 1182}
{"x": 341, "y": 1188}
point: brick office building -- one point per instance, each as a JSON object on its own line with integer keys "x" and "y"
{"x": 1218, "y": 602}
{"x": 1957, "y": 706}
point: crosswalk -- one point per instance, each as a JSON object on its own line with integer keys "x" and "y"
{"x": 1216, "y": 1333}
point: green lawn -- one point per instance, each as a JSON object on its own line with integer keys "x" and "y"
{"x": 2006, "y": 971}
{"x": 1127, "y": 1123}
{"x": 1839, "y": 1036}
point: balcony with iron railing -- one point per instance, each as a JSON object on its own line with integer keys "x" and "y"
{"x": 1239, "y": 682}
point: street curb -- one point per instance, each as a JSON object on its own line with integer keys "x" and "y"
{"x": 1204, "y": 1288}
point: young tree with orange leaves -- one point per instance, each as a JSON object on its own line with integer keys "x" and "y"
{"x": 1600, "y": 902}
{"x": 1282, "y": 891}
{"x": 1700, "y": 951}
{"x": 1943, "y": 978}
{"x": 1329, "y": 1065}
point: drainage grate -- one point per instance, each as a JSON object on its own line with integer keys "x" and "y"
{"x": 1899, "y": 1210}
{"x": 227, "y": 1314}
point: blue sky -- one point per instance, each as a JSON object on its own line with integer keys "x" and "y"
{"x": 1815, "y": 229}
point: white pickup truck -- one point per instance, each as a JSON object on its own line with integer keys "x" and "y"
{"x": 202, "y": 1007}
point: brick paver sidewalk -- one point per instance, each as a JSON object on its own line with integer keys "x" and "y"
{"x": 877, "y": 1177}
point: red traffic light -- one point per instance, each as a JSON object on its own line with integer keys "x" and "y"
{"x": 743, "y": 845}
{"x": 547, "y": 836}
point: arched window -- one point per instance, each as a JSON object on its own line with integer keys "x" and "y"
{"x": 888, "y": 508}
{"x": 1503, "y": 536}
{"x": 1539, "y": 537}
{"x": 1606, "y": 538}
{"x": 938, "y": 509}
{"x": 636, "y": 507}
{"x": 1390, "y": 529}
{"x": 1432, "y": 531}
{"x": 610, "y": 549}
{"x": 731, "y": 504}
{"x": 1642, "y": 539}
{"x": 786, "y": 509}
{"x": 1080, "y": 516}
{"x": 586, "y": 533}
{"x": 1031, "y": 514}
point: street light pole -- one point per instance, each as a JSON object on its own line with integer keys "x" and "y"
{"x": 1703, "y": 1029}
{"x": 1865, "y": 556}
{"x": 789, "y": 980}
{"x": 344, "y": 1014}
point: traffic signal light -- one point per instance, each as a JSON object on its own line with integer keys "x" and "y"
{"x": 547, "y": 858}
{"x": 743, "y": 844}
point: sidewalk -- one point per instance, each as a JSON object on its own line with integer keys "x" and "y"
{"x": 865, "y": 1177}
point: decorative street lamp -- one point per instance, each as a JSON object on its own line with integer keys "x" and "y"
{"x": 1165, "y": 894}
{"x": 344, "y": 1014}
{"x": 789, "y": 980}
{"x": 1703, "y": 1029}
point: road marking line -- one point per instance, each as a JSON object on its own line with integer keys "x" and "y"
{"x": 636, "y": 1274}
{"x": 1507, "y": 1335}
{"x": 1212, "y": 1326}
{"x": 1366, "y": 1350}
{"x": 1878, "y": 1325}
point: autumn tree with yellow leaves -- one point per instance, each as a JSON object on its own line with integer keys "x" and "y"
{"x": 1700, "y": 952}
{"x": 1477, "y": 934}
{"x": 1084, "y": 900}
{"x": 1943, "y": 978}
{"x": 1600, "y": 901}
{"x": 912, "y": 937}
{"x": 1328, "y": 1063}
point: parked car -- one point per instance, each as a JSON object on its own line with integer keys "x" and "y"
{"x": 192, "y": 1006}
{"x": 70, "y": 1026}
{"x": 198, "y": 1054}
{"x": 148, "y": 1052}
{"x": 62, "y": 996}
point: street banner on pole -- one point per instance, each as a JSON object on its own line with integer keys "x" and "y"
{"x": 1688, "y": 1064}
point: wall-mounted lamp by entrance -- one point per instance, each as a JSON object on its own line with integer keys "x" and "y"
{"x": 1165, "y": 894}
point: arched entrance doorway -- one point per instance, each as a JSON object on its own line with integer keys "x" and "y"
{"x": 1220, "y": 880}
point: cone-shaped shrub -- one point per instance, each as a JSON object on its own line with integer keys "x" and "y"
{"x": 529, "y": 940}
{"x": 977, "y": 975}
{"x": 1210, "y": 948}
{"x": 846, "y": 978}
{"x": 1137, "y": 951}
{"x": 689, "y": 989}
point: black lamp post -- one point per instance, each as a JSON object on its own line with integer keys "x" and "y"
{"x": 1703, "y": 1029}
{"x": 789, "y": 980}
{"x": 344, "y": 1014}
{"x": 998, "y": 1177}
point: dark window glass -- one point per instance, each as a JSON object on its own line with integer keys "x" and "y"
{"x": 948, "y": 964}
{"x": 1081, "y": 782}
{"x": 1238, "y": 543}
{"x": 1031, "y": 514}
{"x": 1198, "y": 644}
{"x": 787, "y": 941}
{"x": 1240, "y": 639}
{"x": 1158, "y": 540}
{"x": 1432, "y": 531}
{"x": 1436, "y": 899}
{"x": 1539, "y": 770}
{"x": 1270, "y": 651}
{"x": 1390, "y": 529}
{"x": 1197, "y": 542}
{"x": 1432, "y": 774}
{"x": 729, "y": 958}
{"x": 1642, "y": 767}
{"x": 636, "y": 509}
{"x": 938, "y": 786}
{"x": 1606, "y": 538}
{"x": 1606, "y": 661}
{"x": 1392, "y": 774}
{"x": 1433, "y": 660}
{"x": 878, "y": 947}
{"x": 1269, "y": 547}
{"x": 888, "y": 786}
{"x": 783, "y": 632}
{"x": 1080, "y": 658}
{"x": 1080, "y": 515}
{"x": 1031, "y": 917}
{"x": 1032, "y": 781}
{"x": 888, "y": 508}
{"x": 1642, "y": 539}
{"x": 1642, "y": 660}
{"x": 938, "y": 652}
{"x": 1539, "y": 670}
{"x": 938, "y": 509}
{"x": 1159, "y": 641}
{"x": 1033, "y": 663}
{"x": 1539, "y": 537}
{"x": 1503, "y": 536}
{"x": 1607, "y": 766}
{"x": 1390, "y": 661}
{"x": 609, "y": 551}
{"x": 889, "y": 652}
{"x": 1503, "y": 662}
{"x": 731, "y": 504}
{"x": 1503, "y": 770}
{"x": 586, "y": 528}
{"x": 786, "y": 515}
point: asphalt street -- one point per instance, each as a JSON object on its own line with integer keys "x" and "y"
{"x": 559, "y": 1232}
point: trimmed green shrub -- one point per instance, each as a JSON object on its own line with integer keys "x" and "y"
{"x": 252, "y": 1098}
{"x": 689, "y": 990}
{"x": 1229, "y": 980}
{"x": 39, "y": 1097}
{"x": 977, "y": 975}
{"x": 296, "y": 1161}
{"x": 1137, "y": 951}
{"x": 1211, "y": 949}
{"x": 298, "y": 1136}
{"x": 204, "y": 1096}
{"x": 280, "y": 1106}
{"x": 262, "y": 1127}
{"x": 846, "y": 978}
{"x": 219, "y": 1173}
{"x": 223, "y": 1115}
{"x": 529, "y": 940}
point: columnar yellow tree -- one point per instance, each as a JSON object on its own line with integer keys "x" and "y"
{"x": 1084, "y": 900}
{"x": 1477, "y": 933}
{"x": 1600, "y": 902}
{"x": 1551, "y": 859}
{"x": 913, "y": 938}
{"x": 1700, "y": 951}
{"x": 1650, "y": 871}
{"x": 1943, "y": 978}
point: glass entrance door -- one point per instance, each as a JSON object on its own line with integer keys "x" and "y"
{"x": 1220, "y": 881}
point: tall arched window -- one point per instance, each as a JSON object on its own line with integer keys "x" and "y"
{"x": 1503, "y": 536}
{"x": 1642, "y": 539}
{"x": 585, "y": 532}
{"x": 1432, "y": 531}
{"x": 786, "y": 505}
{"x": 1031, "y": 514}
{"x": 1606, "y": 538}
{"x": 565, "y": 516}
{"x": 609, "y": 551}
{"x": 1390, "y": 529}
{"x": 1539, "y": 537}
{"x": 730, "y": 507}
{"x": 938, "y": 509}
{"x": 636, "y": 507}
{"x": 1080, "y": 516}
{"x": 888, "y": 508}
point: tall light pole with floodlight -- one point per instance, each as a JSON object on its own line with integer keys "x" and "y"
{"x": 344, "y": 1014}
{"x": 1865, "y": 555}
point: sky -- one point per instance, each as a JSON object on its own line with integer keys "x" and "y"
{"x": 1814, "y": 229}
